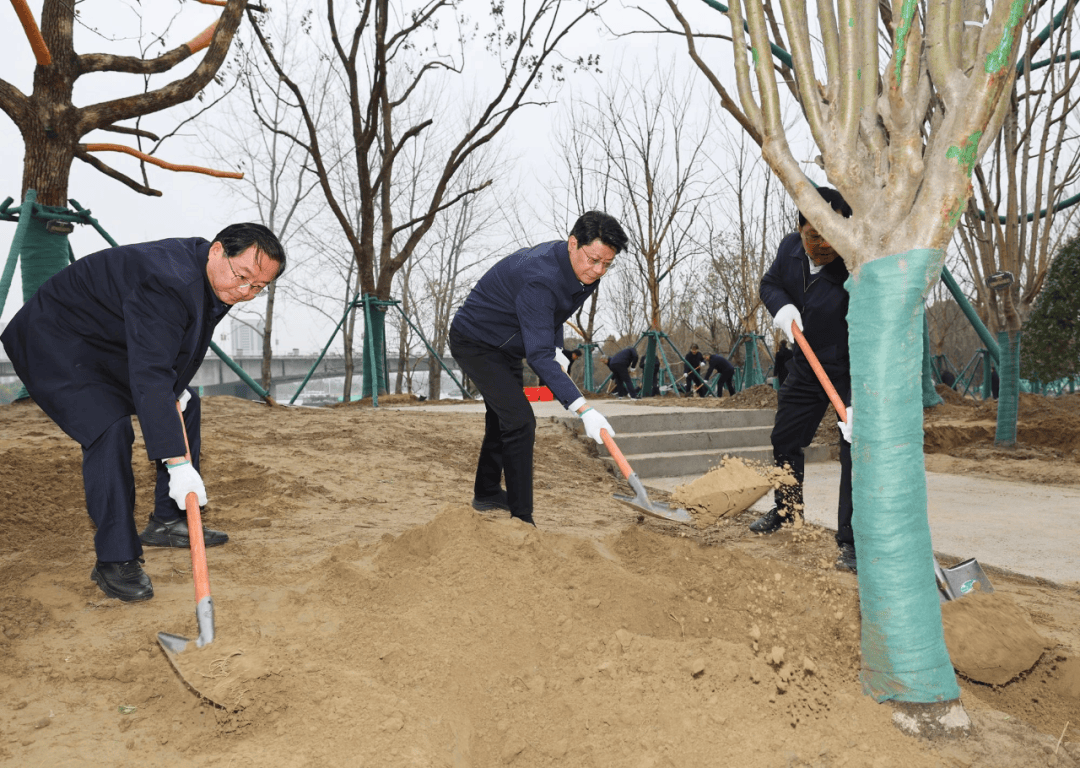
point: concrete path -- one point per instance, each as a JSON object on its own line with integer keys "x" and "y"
{"x": 1021, "y": 527}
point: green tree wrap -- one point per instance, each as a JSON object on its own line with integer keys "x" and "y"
{"x": 44, "y": 253}
{"x": 903, "y": 645}
{"x": 374, "y": 348}
{"x": 930, "y": 397}
{"x": 1008, "y": 388}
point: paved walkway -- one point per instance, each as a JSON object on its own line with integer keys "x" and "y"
{"x": 1022, "y": 527}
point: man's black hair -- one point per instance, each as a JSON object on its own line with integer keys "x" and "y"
{"x": 237, "y": 238}
{"x": 575, "y": 353}
{"x": 835, "y": 199}
{"x": 597, "y": 224}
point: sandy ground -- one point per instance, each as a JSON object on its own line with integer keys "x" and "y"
{"x": 366, "y": 616}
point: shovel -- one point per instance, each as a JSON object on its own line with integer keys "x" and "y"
{"x": 953, "y": 583}
{"x": 204, "y": 604}
{"x": 641, "y": 501}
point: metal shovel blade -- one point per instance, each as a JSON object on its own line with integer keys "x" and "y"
{"x": 642, "y": 503}
{"x": 961, "y": 579}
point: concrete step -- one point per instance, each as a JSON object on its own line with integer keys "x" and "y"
{"x": 672, "y": 441}
{"x": 678, "y": 463}
{"x": 667, "y": 442}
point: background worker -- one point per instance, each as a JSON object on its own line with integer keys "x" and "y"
{"x": 805, "y": 285}
{"x": 620, "y": 364}
{"x": 572, "y": 356}
{"x": 122, "y": 332}
{"x": 692, "y": 369}
{"x": 781, "y": 360}
{"x": 515, "y": 311}
{"x": 719, "y": 364}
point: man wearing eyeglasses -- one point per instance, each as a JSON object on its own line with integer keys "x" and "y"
{"x": 122, "y": 332}
{"x": 515, "y": 311}
{"x": 805, "y": 286}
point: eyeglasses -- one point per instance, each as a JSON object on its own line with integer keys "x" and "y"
{"x": 594, "y": 263}
{"x": 245, "y": 282}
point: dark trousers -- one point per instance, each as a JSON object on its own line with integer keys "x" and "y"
{"x": 802, "y": 404}
{"x": 726, "y": 380}
{"x": 624, "y": 385}
{"x": 509, "y": 423}
{"x": 109, "y": 483}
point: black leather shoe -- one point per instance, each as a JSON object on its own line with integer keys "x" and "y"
{"x": 125, "y": 581}
{"x": 770, "y": 522}
{"x": 488, "y": 503}
{"x": 845, "y": 561}
{"x": 174, "y": 533}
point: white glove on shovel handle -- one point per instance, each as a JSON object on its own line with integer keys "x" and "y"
{"x": 183, "y": 400}
{"x": 184, "y": 479}
{"x": 788, "y": 314}
{"x": 845, "y": 426}
{"x": 594, "y": 421}
{"x": 562, "y": 359}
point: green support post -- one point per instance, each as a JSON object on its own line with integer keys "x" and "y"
{"x": 322, "y": 354}
{"x": 239, "y": 371}
{"x": 16, "y": 242}
{"x": 587, "y": 361}
{"x": 431, "y": 351}
{"x": 648, "y": 371}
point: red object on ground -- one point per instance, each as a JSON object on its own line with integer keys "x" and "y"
{"x": 538, "y": 394}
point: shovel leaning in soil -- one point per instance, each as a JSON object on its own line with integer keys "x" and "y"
{"x": 641, "y": 501}
{"x": 173, "y": 645}
{"x": 953, "y": 583}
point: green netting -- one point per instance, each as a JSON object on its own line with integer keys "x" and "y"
{"x": 903, "y": 644}
{"x": 375, "y": 373}
{"x": 930, "y": 397}
{"x": 1008, "y": 388}
{"x": 43, "y": 253}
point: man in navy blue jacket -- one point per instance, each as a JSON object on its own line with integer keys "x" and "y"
{"x": 122, "y": 332}
{"x": 805, "y": 285}
{"x": 721, "y": 365}
{"x": 516, "y": 311}
{"x": 620, "y": 364}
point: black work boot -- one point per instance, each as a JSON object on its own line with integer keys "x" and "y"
{"x": 771, "y": 521}
{"x": 174, "y": 533}
{"x": 125, "y": 581}
{"x": 488, "y": 503}
{"x": 845, "y": 560}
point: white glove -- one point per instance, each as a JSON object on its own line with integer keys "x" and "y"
{"x": 183, "y": 399}
{"x": 784, "y": 318}
{"x": 845, "y": 426}
{"x": 594, "y": 421}
{"x": 184, "y": 479}
{"x": 561, "y": 359}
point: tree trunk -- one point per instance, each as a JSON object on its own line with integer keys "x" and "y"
{"x": 267, "y": 345}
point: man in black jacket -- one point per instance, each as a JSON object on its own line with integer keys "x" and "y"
{"x": 805, "y": 286}
{"x": 122, "y": 332}
{"x": 692, "y": 369}
{"x": 515, "y": 311}
{"x": 620, "y": 364}
{"x": 720, "y": 364}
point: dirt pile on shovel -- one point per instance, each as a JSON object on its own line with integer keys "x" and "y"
{"x": 728, "y": 489}
{"x": 990, "y": 638}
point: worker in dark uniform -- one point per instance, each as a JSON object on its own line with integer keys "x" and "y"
{"x": 719, "y": 364}
{"x": 620, "y": 364}
{"x": 805, "y": 286}
{"x": 515, "y": 311}
{"x": 692, "y": 369}
{"x": 780, "y": 362}
{"x": 572, "y": 356}
{"x": 122, "y": 332}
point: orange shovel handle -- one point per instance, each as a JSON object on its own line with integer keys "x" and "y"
{"x": 609, "y": 443}
{"x": 823, "y": 377}
{"x": 195, "y": 531}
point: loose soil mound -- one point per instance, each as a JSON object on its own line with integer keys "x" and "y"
{"x": 366, "y": 616}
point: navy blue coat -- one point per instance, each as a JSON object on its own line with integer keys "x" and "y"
{"x": 520, "y": 305}
{"x": 821, "y": 299}
{"x": 119, "y": 332}
{"x": 720, "y": 363}
{"x": 626, "y": 357}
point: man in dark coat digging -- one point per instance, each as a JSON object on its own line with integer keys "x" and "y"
{"x": 516, "y": 311}
{"x": 805, "y": 285}
{"x": 119, "y": 333}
